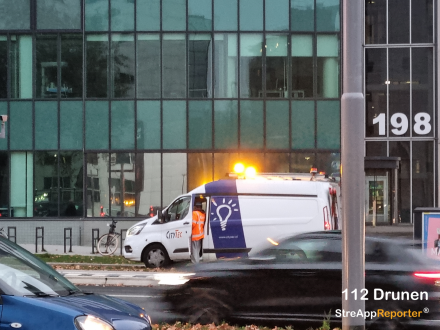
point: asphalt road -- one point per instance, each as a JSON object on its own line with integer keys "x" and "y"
{"x": 146, "y": 297}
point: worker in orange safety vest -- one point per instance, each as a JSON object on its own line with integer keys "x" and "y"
{"x": 197, "y": 235}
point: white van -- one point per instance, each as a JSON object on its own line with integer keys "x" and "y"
{"x": 240, "y": 214}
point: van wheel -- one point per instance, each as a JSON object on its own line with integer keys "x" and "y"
{"x": 155, "y": 256}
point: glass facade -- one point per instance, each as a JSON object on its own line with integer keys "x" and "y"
{"x": 400, "y": 107}
{"x": 118, "y": 106}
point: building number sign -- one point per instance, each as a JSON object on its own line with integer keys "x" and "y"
{"x": 399, "y": 122}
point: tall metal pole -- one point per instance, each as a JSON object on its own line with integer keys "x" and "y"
{"x": 352, "y": 159}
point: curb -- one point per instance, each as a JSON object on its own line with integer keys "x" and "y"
{"x": 93, "y": 264}
{"x": 109, "y": 278}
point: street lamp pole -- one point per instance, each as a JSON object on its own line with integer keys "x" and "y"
{"x": 352, "y": 171}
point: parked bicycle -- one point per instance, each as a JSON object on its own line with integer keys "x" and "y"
{"x": 108, "y": 243}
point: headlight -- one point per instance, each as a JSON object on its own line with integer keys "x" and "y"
{"x": 135, "y": 229}
{"x": 88, "y": 322}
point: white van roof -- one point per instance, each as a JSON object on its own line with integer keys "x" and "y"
{"x": 263, "y": 186}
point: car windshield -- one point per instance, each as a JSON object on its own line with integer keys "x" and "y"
{"x": 23, "y": 274}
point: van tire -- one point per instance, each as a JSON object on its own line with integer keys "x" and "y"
{"x": 155, "y": 256}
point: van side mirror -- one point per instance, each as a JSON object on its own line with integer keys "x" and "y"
{"x": 160, "y": 216}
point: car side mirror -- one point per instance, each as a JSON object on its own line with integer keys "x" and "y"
{"x": 160, "y": 216}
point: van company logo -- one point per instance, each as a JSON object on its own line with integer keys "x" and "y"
{"x": 174, "y": 234}
{"x": 223, "y": 211}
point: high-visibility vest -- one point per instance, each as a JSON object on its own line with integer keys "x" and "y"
{"x": 198, "y": 223}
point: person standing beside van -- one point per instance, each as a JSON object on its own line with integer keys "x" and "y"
{"x": 197, "y": 235}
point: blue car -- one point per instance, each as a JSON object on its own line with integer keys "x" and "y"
{"x": 33, "y": 296}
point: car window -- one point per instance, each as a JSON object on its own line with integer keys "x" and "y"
{"x": 309, "y": 250}
{"x": 179, "y": 209}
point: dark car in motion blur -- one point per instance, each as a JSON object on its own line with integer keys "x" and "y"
{"x": 34, "y": 296}
{"x": 299, "y": 279}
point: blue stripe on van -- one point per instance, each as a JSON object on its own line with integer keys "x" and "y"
{"x": 226, "y": 225}
{"x": 221, "y": 187}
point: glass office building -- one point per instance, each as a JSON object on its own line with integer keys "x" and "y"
{"x": 118, "y": 106}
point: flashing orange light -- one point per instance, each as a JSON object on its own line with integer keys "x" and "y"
{"x": 250, "y": 172}
{"x": 322, "y": 173}
{"x": 239, "y": 168}
{"x": 313, "y": 170}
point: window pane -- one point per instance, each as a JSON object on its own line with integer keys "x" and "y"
{"x": 97, "y": 122}
{"x": 174, "y": 176}
{"x": 21, "y": 67}
{"x": 4, "y": 184}
{"x": 251, "y": 124}
{"x": 277, "y": 15}
{"x": 199, "y": 65}
{"x": 96, "y": 15}
{"x": 255, "y": 159}
{"x": 147, "y": 186}
{"x": 301, "y": 162}
{"x": 302, "y": 66}
{"x": 46, "y": 125}
{"x": 376, "y": 22}
{"x": 148, "y": 66}
{"x": 173, "y": 66}
{"x": 398, "y": 21}
{"x": 71, "y": 184}
{"x": 15, "y": 15}
{"x": 46, "y": 190}
{"x": 329, "y": 163}
{"x": 276, "y": 66}
{"x": 226, "y": 124}
{"x": 199, "y": 169}
{"x": 423, "y": 173}
{"x": 422, "y": 90}
{"x": 3, "y": 67}
{"x": 20, "y": 125}
{"x": 399, "y": 89}
{"x": 200, "y": 124}
{"x": 96, "y": 57}
{"x": 225, "y": 65}
{"x": 225, "y": 15}
{"x": 302, "y": 15}
{"x": 4, "y": 141}
{"x": 122, "y": 65}
{"x": 375, "y": 90}
{"x": 277, "y": 124}
{"x": 328, "y": 125}
{"x": 276, "y": 163}
{"x": 174, "y": 15}
{"x": 71, "y": 125}
{"x": 251, "y": 65}
{"x": 55, "y": 14}
{"x": 122, "y": 130}
{"x": 421, "y": 21}
{"x": 328, "y": 66}
{"x": 148, "y": 15}
{"x": 46, "y": 66}
{"x": 402, "y": 149}
{"x": 327, "y": 15}
{"x": 122, "y": 15}
{"x": 199, "y": 15}
{"x": 251, "y": 15}
{"x": 97, "y": 186}
{"x": 122, "y": 184}
{"x": 71, "y": 66}
{"x": 174, "y": 125}
{"x": 376, "y": 148}
{"x": 303, "y": 124}
{"x": 148, "y": 125}
{"x": 224, "y": 163}
{"x": 22, "y": 178}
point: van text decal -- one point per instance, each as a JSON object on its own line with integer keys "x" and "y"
{"x": 174, "y": 234}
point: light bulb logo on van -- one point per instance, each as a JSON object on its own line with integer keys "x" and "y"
{"x": 225, "y": 217}
{"x": 176, "y": 234}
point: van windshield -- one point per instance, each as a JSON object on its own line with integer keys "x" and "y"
{"x": 23, "y": 274}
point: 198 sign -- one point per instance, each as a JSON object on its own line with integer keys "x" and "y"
{"x": 399, "y": 122}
